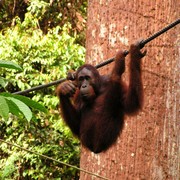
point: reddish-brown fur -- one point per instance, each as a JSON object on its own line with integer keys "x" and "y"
{"x": 98, "y": 123}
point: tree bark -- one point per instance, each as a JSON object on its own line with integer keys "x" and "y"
{"x": 149, "y": 146}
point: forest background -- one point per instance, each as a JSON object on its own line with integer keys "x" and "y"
{"x": 45, "y": 38}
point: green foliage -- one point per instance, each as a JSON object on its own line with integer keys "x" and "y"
{"x": 44, "y": 57}
{"x": 16, "y": 104}
{"x": 9, "y": 167}
{"x": 49, "y": 13}
{"x": 10, "y": 65}
{"x": 39, "y": 55}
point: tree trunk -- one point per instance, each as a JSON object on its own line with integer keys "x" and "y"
{"x": 149, "y": 146}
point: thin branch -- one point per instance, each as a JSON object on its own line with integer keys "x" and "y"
{"x": 52, "y": 159}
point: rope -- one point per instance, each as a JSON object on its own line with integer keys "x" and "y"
{"x": 52, "y": 159}
{"x": 103, "y": 63}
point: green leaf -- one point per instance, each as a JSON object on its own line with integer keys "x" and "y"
{"x": 12, "y": 107}
{"x": 27, "y": 101}
{"x": 4, "y": 108}
{"x": 31, "y": 103}
{"x": 22, "y": 107}
{"x": 9, "y": 65}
